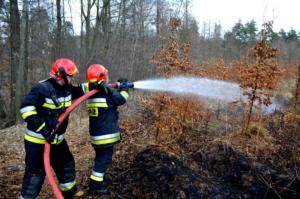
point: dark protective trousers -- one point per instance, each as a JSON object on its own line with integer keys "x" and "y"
{"x": 62, "y": 163}
{"x": 103, "y": 160}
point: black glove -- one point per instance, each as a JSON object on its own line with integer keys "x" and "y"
{"x": 123, "y": 84}
{"x": 102, "y": 86}
{"x": 48, "y": 134}
{"x": 96, "y": 85}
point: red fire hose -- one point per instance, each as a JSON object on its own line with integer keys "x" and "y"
{"x": 61, "y": 118}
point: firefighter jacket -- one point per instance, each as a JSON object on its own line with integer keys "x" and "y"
{"x": 103, "y": 117}
{"x": 42, "y": 107}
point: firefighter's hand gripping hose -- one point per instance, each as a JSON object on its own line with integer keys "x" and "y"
{"x": 61, "y": 118}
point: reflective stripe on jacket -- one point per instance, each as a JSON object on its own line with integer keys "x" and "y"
{"x": 40, "y": 109}
{"x": 103, "y": 120}
{"x": 39, "y": 139}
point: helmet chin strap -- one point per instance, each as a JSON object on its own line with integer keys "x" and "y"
{"x": 64, "y": 75}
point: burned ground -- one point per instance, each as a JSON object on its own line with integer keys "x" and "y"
{"x": 200, "y": 163}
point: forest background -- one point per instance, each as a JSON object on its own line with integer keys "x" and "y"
{"x": 122, "y": 35}
{"x": 173, "y": 146}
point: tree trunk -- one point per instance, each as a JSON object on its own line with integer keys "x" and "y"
{"x": 14, "y": 38}
{"x": 3, "y": 111}
{"x": 82, "y": 18}
{"x": 123, "y": 23}
{"x": 58, "y": 31}
{"x": 297, "y": 94}
{"x": 158, "y": 17}
{"x": 95, "y": 38}
{"x": 106, "y": 26}
{"x": 22, "y": 71}
{"x": 26, "y": 51}
{"x": 87, "y": 32}
{"x": 88, "y": 38}
{"x": 186, "y": 21}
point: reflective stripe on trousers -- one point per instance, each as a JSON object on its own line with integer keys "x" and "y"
{"x": 106, "y": 139}
{"x": 97, "y": 176}
{"x": 67, "y": 186}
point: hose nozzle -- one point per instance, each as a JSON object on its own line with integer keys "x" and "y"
{"x": 130, "y": 85}
{"x": 122, "y": 84}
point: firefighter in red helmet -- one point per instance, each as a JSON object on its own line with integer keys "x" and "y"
{"x": 40, "y": 109}
{"x": 68, "y": 66}
{"x": 103, "y": 124}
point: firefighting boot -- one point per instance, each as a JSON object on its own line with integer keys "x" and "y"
{"x": 75, "y": 194}
{"x": 99, "y": 189}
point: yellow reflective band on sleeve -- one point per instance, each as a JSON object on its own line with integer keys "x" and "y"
{"x": 98, "y": 179}
{"x": 37, "y": 138}
{"x": 40, "y": 128}
{"x": 106, "y": 141}
{"x": 85, "y": 87}
{"x": 124, "y": 94}
{"x": 67, "y": 104}
{"x": 28, "y": 113}
{"x": 99, "y": 104}
{"x": 34, "y": 140}
{"x": 52, "y": 106}
{"x": 27, "y": 108}
{"x": 67, "y": 186}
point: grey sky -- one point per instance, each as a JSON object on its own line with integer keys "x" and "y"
{"x": 284, "y": 13}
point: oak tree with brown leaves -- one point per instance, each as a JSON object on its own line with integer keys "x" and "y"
{"x": 173, "y": 115}
{"x": 260, "y": 73}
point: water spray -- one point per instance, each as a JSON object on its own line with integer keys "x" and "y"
{"x": 203, "y": 87}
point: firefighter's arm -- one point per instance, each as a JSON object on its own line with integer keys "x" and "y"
{"x": 84, "y": 88}
{"x": 120, "y": 98}
{"x": 29, "y": 108}
{"x": 101, "y": 86}
{"x": 79, "y": 90}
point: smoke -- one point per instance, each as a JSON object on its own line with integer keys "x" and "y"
{"x": 277, "y": 105}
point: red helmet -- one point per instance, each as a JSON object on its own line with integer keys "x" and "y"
{"x": 68, "y": 65}
{"x": 96, "y": 72}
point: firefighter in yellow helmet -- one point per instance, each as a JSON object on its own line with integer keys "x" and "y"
{"x": 103, "y": 124}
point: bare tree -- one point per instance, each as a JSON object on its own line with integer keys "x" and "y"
{"x": 158, "y": 17}
{"x": 58, "y": 40}
{"x": 97, "y": 24}
{"x": 21, "y": 81}
{"x": 123, "y": 23}
{"x": 297, "y": 90}
{"x": 106, "y": 25}
{"x": 86, "y": 18}
{"x": 14, "y": 23}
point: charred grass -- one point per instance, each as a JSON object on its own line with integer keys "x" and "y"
{"x": 214, "y": 160}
